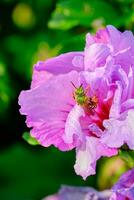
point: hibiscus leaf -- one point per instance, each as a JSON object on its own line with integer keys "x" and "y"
{"x": 27, "y": 137}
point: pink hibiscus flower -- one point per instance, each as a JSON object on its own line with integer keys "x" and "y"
{"x": 83, "y": 100}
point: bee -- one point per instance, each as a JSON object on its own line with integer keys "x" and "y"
{"x": 82, "y": 99}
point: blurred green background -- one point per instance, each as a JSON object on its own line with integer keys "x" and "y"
{"x": 32, "y": 30}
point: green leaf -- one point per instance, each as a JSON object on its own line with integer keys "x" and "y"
{"x": 128, "y": 157}
{"x": 27, "y": 137}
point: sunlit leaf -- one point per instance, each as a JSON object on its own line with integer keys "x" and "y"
{"x": 27, "y": 137}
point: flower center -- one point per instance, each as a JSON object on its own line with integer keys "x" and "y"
{"x": 95, "y": 110}
{"x": 101, "y": 113}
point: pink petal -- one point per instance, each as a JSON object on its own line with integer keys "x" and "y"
{"x": 72, "y": 126}
{"x": 127, "y": 40}
{"x": 128, "y": 104}
{"x": 40, "y": 77}
{"x": 47, "y": 108}
{"x": 119, "y": 131}
{"x": 88, "y": 154}
{"x": 115, "y": 108}
{"x": 89, "y": 40}
{"x": 95, "y": 129}
{"x": 95, "y": 56}
{"x": 102, "y": 36}
{"x": 114, "y": 36}
{"x": 62, "y": 64}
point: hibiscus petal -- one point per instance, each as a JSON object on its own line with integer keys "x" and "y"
{"x": 115, "y": 108}
{"x": 88, "y": 154}
{"x": 97, "y": 81}
{"x": 95, "y": 129}
{"x": 100, "y": 37}
{"x": 62, "y": 64}
{"x": 40, "y": 77}
{"x": 130, "y": 90}
{"x": 114, "y": 37}
{"x": 126, "y": 41}
{"x": 128, "y": 104}
{"x": 119, "y": 132}
{"x": 72, "y": 126}
{"x": 121, "y": 45}
{"x": 95, "y": 56}
{"x": 89, "y": 40}
{"x": 47, "y": 107}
